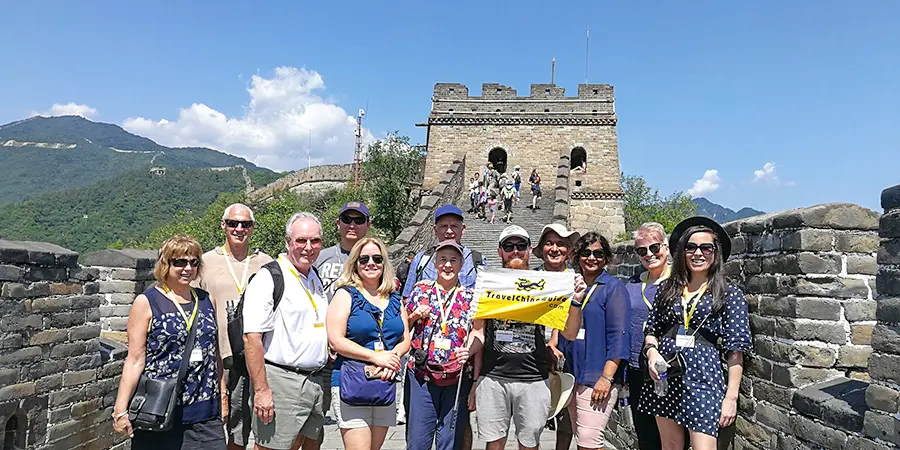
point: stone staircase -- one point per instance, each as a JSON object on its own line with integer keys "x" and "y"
{"x": 480, "y": 235}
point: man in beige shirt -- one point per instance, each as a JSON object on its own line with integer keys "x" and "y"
{"x": 226, "y": 271}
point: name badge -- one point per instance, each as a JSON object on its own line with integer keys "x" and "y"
{"x": 379, "y": 346}
{"x": 684, "y": 340}
{"x": 580, "y": 335}
{"x": 196, "y": 355}
{"x": 441, "y": 343}
{"x": 504, "y": 336}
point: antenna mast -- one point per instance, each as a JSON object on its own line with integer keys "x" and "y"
{"x": 587, "y": 51}
{"x": 357, "y": 155}
{"x": 309, "y": 150}
{"x": 552, "y": 70}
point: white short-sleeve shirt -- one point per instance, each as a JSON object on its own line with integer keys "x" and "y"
{"x": 293, "y": 335}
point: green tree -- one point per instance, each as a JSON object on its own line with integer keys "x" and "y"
{"x": 644, "y": 204}
{"x": 389, "y": 168}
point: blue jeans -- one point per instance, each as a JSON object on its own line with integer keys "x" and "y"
{"x": 430, "y": 413}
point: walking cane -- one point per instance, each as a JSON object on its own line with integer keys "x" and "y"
{"x": 455, "y": 411}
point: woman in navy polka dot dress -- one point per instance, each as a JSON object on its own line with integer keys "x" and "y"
{"x": 699, "y": 315}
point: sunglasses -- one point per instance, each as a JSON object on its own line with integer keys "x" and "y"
{"x": 652, "y": 248}
{"x": 598, "y": 253}
{"x": 706, "y": 249}
{"x": 509, "y": 247}
{"x": 364, "y": 259}
{"x": 359, "y": 220}
{"x": 230, "y": 223}
{"x": 183, "y": 262}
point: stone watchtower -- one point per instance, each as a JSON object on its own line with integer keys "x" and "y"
{"x": 538, "y": 131}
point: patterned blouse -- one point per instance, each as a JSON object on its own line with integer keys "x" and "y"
{"x": 459, "y": 322}
{"x": 165, "y": 344}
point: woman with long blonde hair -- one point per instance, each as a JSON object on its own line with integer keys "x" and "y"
{"x": 367, "y": 326}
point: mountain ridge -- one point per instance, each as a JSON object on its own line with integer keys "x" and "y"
{"x": 101, "y": 151}
{"x": 720, "y": 213}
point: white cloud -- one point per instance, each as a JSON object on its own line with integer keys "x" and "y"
{"x": 769, "y": 175}
{"x": 275, "y": 128}
{"x": 709, "y": 183}
{"x": 69, "y": 109}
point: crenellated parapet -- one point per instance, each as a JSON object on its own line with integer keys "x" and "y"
{"x": 594, "y": 102}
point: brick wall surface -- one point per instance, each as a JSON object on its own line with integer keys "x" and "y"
{"x": 57, "y": 377}
{"x": 812, "y": 380}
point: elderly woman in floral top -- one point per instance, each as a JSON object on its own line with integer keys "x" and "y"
{"x": 440, "y": 316}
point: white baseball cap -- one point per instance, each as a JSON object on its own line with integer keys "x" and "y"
{"x": 559, "y": 229}
{"x": 513, "y": 231}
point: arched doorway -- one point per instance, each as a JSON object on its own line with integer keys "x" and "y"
{"x": 13, "y": 435}
{"x": 497, "y": 157}
{"x": 578, "y": 159}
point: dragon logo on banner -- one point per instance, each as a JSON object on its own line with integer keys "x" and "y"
{"x": 505, "y": 294}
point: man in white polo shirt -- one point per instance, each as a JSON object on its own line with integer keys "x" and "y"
{"x": 286, "y": 347}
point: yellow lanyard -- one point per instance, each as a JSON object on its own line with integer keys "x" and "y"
{"x": 187, "y": 320}
{"x": 644, "y": 284}
{"x": 695, "y": 300}
{"x": 318, "y": 323}
{"x": 239, "y": 283}
{"x": 445, "y": 304}
{"x": 588, "y": 296}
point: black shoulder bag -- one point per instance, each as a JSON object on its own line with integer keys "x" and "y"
{"x": 153, "y": 401}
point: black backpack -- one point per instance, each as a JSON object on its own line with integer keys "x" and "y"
{"x": 236, "y": 317}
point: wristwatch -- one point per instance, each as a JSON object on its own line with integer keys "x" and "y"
{"x": 607, "y": 378}
{"x": 647, "y": 349}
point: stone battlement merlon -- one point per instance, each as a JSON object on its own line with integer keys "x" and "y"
{"x": 453, "y": 99}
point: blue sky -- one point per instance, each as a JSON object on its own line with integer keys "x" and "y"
{"x": 811, "y": 87}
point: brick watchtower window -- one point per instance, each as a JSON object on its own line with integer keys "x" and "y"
{"x": 10, "y": 434}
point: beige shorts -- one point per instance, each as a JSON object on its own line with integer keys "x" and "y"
{"x": 525, "y": 403}
{"x": 298, "y": 409}
{"x": 349, "y": 416}
{"x": 590, "y": 420}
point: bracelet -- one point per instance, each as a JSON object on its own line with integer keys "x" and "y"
{"x": 118, "y": 416}
{"x": 647, "y": 348}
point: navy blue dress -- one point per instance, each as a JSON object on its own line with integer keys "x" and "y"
{"x": 695, "y": 399}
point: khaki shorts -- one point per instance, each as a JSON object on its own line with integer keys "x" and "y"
{"x": 298, "y": 409}
{"x": 525, "y": 403}
{"x": 349, "y": 416}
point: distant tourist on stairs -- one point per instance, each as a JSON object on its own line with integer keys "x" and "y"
{"x": 535, "y": 180}
{"x": 473, "y": 192}
{"x": 161, "y": 322}
{"x": 508, "y": 194}
{"x": 226, "y": 271}
{"x": 517, "y": 180}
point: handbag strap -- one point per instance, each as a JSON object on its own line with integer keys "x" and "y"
{"x": 186, "y": 354}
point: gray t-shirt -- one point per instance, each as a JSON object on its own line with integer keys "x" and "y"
{"x": 330, "y": 265}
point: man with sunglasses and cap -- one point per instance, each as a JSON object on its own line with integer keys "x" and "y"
{"x": 353, "y": 223}
{"x": 512, "y": 362}
{"x": 226, "y": 272}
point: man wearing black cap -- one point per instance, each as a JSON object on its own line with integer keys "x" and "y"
{"x": 352, "y": 223}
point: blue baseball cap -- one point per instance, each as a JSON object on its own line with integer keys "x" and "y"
{"x": 448, "y": 209}
{"x": 359, "y": 207}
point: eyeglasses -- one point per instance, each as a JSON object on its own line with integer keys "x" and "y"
{"x": 598, "y": 253}
{"x": 706, "y": 249}
{"x": 312, "y": 242}
{"x": 653, "y": 248}
{"x": 183, "y": 262}
{"x": 364, "y": 259}
{"x": 509, "y": 246}
{"x": 359, "y": 220}
{"x": 230, "y": 223}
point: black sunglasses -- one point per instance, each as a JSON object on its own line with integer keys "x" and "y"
{"x": 653, "y": 248}
{"x": 183, "y": 262}
{"x": 598, "y": 253}
{"x": 364, "y": 259}
{"x": 706, "y": 249}
{"x": 359, "y": 220}
{"x": 509, "y": 246}
{"x": 230, "y": 223}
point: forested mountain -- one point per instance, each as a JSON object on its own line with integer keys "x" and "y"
{"x": 43, "y": 154}
{"x": 720, "y": 213}
{"x": 125, "y": 208}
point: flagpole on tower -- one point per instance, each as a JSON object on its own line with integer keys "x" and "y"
{"x": 587, "y": 52}
{"x": 309, "y": 150}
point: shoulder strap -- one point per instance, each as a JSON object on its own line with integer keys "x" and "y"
{"x": 477, "y": 259}
{"x": 277, "y": 280}
{"x": 423, "y": 263}
{"x": 186, "y": 354}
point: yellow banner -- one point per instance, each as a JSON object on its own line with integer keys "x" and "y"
{"x": 525, "y": 295}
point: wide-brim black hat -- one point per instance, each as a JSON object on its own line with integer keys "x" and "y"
{"x": 724, "y": 239}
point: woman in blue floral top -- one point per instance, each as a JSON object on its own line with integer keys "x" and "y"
{"x": 440, "y": 316}
{"x": 158, "y": 327}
